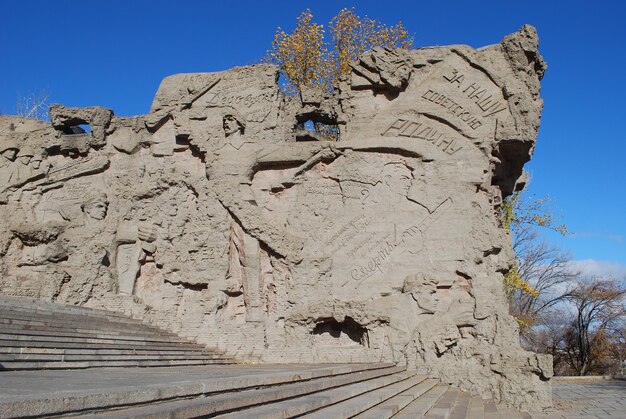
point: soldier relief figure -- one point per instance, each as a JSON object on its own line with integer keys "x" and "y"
{"x": 96, "y": 207}
{"x": 86, "y": 241}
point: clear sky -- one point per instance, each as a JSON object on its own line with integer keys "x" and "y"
{"x": 114, "y": 53}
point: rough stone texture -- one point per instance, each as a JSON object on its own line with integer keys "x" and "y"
{"x": 218, "y": 216}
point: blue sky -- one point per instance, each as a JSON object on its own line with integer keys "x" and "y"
{"x": 115, "y": 53}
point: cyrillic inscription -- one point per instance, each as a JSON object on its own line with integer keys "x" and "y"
{"x": 406, "y": 128}
{"x": 488, "y": 103}
{"x": 456, "y": 109}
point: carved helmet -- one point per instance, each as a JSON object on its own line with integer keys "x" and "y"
{"x": 8, "y": 145}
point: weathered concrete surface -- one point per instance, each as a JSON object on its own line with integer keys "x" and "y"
{"x": 587, "y": 400}
{"x": 218, "y": 216}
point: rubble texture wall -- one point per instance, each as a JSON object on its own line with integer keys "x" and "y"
{"x": 219, "y": 216}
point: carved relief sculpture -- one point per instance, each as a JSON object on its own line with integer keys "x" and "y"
{"x": 219, "y": 217}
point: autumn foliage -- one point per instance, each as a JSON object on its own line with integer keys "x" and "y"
{"x": 580, "y": 321}
{"x": 307, "y": 58}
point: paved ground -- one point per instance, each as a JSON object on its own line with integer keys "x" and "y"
{"x": 587, "y": 399}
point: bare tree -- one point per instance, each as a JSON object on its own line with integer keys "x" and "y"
{"x": 546, "y": 268}
{"x": 34, "y": 105}
{"x": 548, "y": 336}
{"x": 599, "y": 312}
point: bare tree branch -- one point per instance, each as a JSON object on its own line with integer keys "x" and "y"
{"x": 34, "y": 105}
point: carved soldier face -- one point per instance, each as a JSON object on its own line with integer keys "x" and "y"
{"x": 36, "y": 162}
{"x": 10, "y": 154}
{"x": 96, "y": 209}
{"x": 24, "y": 159}
{"x": 231, "y": 125}
{"x": 403, "y": 72}
{"x": 398, "y": 178}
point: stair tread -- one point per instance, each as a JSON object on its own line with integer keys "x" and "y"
{"x": 87, "y": 339}
{"x": 311, "y": 402}
{"x": 476, "y": 409}
{"x": 420, "y": 406}
{"x": 44, "y": 335}
{"x": 112, "y": 387}
{"x": 98, "y": 344}
{"x": 442, "y": 408}
{"x": 241, "y": 399}
{"x": 460, "y": 409}
{"x": 83, "y": 351}
{"x": 117, "y": 334}
{"x": 95, "y": 357}
{"x": 362, "y": 402}
{"x": 74, "y": 325}
{"x": 23, "y": 365}
{"x": 391, "y": 406}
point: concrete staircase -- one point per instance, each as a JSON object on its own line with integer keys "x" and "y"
{"x": 238, "y": 391}
{"x": 53, "y": 359}
{"x": 41, "y": 335}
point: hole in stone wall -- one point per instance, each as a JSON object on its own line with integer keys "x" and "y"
{"x": 106, "y": 261}
{"x": 345, "y": 333}
{"x": 309, "y": 125}
{"x": 316, "y": 126}
{"x": 83, "y": 128}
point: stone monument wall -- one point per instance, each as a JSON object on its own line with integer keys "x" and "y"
{"x": 223, "y": 216}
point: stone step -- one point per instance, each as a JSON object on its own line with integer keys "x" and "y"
{"x": 476, "y": 408}
{"x": 419, "y": 407}
{"x": 69, "y": 331}
{"x": 89, "y": 339}
{"x": 9, "y": 344}
{"x": 460, "y": 409}
{"x": 443, "y": 402}
{"x": 312, "y": 402}
{"x": 363, "y": 402}
{"x": 52, "y": 357}
{"x": 82, "y": 351}
{"x": 225, "y": 402}
{"x": 67, "y": 365}
{"x": 491, "y": 410}
{"x": 73, "y": 320}
{"x": 22, "y": 312}
{"x": 92, "y": 334}
{"x": 77, "y": 325}
{"x": 32, "y": 305}
{"x": 507, "y": 413}
{"x": 82, "y": 392}
{"x": 39, "y": 335}
{"x": 443, "y": 407}
{"x": 35, "y": 322}
{"x": 398, "y": 402}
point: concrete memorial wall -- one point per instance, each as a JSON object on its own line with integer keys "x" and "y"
{"x": 220, "y": 216}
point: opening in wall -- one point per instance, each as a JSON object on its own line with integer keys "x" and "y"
{"x": 316, "y": 126}
{"x": 346, "y": 333}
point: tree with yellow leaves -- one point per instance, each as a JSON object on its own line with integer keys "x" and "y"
{"x": 306, "y": 59}
{"x": 353, "y": 35}
{"x": 301, "y": 54}
{"x": 541, "y": 276}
